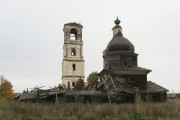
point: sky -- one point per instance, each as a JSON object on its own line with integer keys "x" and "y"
{"x": 31, "y": 37}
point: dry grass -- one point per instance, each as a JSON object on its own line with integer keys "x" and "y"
{"x": 145, "y": 111}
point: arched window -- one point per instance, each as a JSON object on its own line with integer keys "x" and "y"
{"x": 73, "y": 51}
{"x": 73, "y": 34}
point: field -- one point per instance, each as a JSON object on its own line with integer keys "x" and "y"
{"x": 13, "y": 110}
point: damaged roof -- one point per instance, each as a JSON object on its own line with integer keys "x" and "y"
{"x": 25, "y": 96}
{"x": 153, "y": 87}
{"x": 73, "y": 24}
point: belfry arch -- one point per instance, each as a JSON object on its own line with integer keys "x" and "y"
{"x": 73, "y": 34}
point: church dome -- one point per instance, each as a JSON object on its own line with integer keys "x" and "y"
{"x": 118, "y": 42}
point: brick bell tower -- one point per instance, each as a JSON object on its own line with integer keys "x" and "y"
{"x": 73, "y": 61}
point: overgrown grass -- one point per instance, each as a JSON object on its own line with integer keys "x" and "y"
{"x": 13, "y": 110}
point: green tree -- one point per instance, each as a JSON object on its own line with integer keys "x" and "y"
{"x": 6, "y": 90}
{"x": 92, "y": 79}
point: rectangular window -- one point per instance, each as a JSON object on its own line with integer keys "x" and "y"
{"x": 73, "y": 84}
{"x": 68, "y": 85}
{"x": 74, "y": 67}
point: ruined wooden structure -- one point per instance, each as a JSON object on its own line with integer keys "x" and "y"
{"x": 106, "y": 91}
{"x": 121, "y": 63}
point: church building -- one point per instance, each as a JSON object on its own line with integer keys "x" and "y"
{"x": 120, "y": 61}
{"x": 120, "y": 58}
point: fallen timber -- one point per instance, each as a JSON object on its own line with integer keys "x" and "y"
{"x": 107, "y": 90}
{"x": 100, "y": 93}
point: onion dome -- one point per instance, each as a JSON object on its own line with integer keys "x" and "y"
{"x": 117, "y": 21}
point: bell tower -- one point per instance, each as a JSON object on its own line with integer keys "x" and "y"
{"x": 73, "y": 61}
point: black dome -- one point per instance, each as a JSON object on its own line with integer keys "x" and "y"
{"x": 117, "y": 21}
{"x": 119, "y": 43}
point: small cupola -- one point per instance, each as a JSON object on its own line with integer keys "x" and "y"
{"x": 117, "y": 28}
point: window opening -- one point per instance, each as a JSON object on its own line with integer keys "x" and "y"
{"x": 73, "y": 84}
{"x": 68, "y": 85}
{"x": 74, "y": 67}
{"x": 125, "y": 63}
{"x": 132, "y": 79}
{"x": 73, "y": 34}
{"x": 73, "y": 51}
